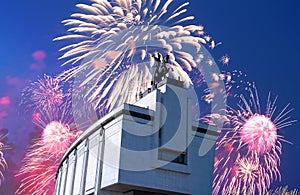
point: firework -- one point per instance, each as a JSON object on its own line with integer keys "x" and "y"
{"x": 58, "y": 132}
{"x": 42, "y": 159}
{"x": 245, "y": 173}
{"x": 3, "y": 147}
{"x": 57, "y": 137}
{"x": 44, "y": 94}
{"x": 259, "y": 133}
{"x": 40, "y": 163}
{"x": 283, "y": 191}
{"x": 114, "y": 42}
{"x": 252, "y": 141}
{"x": 225, "y": 59}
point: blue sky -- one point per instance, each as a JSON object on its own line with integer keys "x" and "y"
{"x": 261, "y": 38}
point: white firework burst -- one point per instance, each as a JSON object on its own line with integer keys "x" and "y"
{"x": 118, "y": 37}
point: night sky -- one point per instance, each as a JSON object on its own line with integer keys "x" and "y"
{"x": 261, "y": 38}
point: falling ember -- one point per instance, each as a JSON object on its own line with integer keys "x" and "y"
{"x": 228, "y": 147}
{"x": 36, "y": 117}
{"x": 283, "y": 191}
{"x": 234, "y": 171}
{"x": 100, "y": 63}
{"x": 112, "y": 54}
{"x": 4, "y": 100}
{"x": 216, "y": 160}
{"x": 210, "y": 62}
{"x": 259, "y": 132}
{"x": 214, "y": 85}
{"x": 39, "y": 55}
{"x": 225, "y": 59}
{"x": 131, "y": 44}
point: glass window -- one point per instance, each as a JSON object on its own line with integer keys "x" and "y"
{"x": 172, "y": 156}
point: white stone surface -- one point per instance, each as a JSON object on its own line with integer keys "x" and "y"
{"x": 127, "y": 154}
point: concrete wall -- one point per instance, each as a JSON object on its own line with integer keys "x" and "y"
{"x": 132, "y": 148}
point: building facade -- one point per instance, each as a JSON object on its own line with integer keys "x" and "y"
{"x": 151, "y": 147}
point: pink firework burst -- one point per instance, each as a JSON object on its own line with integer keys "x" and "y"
{"x": 259, "y": 133}
{"x": 57, "y": 137}
{"x": 41, "y": 162}
{"x": 43, "y": 157}
{"x": 43, "y": 94}
{"x": 252, "y": 136}
{"x": 58, "y": 132}
{"x": 258, "y": 130}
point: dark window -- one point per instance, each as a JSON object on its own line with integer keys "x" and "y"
{"x": 137, "y": 192}
{"x": 172, "y": 156}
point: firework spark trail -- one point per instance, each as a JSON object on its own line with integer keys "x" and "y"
{"x": 58, "y": 132}
{"x": 283, "y": 191}
{"x": 3, "y": 147}
{"x": 51, "y": 99}
{"x": 44, "y": 94}
{"x": 252, "y": 136}
{"x": 42, "y": 159}
{"x": 247, "y": 171}
{"x": 113, "y": 37}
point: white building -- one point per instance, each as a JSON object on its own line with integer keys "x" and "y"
{"x": 151, "y": 147}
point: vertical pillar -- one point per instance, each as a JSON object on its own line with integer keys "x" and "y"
{"x": 58, "y": 182}
{"x": 100, "y": 161}
{"x": 73, "y": 171}
{"x": 65, "y": 179}
{"x": 84, "y": 169}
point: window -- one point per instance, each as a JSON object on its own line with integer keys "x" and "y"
{"x": 172, "y": 156}
{"x": 137, "y": 192}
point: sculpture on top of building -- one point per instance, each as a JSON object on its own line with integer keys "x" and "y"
{"x": 161, "y": 69}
